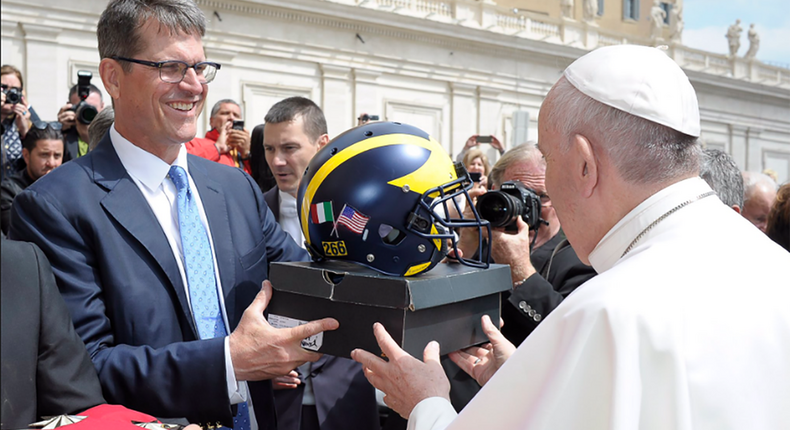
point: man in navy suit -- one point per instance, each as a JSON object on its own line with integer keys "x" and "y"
{"x": 112, "y": 224}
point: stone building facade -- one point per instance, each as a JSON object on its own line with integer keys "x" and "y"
{"x": 453, "y": 68}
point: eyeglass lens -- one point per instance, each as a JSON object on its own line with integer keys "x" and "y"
{"x": 174, "y": 71}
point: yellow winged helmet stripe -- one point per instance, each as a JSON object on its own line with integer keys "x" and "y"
{"x": 431, "y": 174}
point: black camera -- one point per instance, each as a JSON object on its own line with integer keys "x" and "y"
{"x": 13, "y": 95}
{"x": 84, "y": 112}
{"x": 513, "y": 199}
{"x": 366, "y": 118}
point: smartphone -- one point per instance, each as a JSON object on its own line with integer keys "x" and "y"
{"x": 238, "y": 125}
{"x": 484, "y": 139}
{"x": 475, "y": 176}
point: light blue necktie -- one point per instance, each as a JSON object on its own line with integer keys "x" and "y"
{"x": 199, "y": 268}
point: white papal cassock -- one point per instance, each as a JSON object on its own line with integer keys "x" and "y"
{"x": 689, "y": 330}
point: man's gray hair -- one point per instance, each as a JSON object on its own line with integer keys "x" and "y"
{"x": 527, "y": 151}
{"x": 99, "y": 126}
{"x": 218, "y": 106}
{"x": 642, "y": 151}
{"x": 719, "y": 170}
{"x": 119, "y": 26}
{"x": 288, "y": 109}
{"x": 752, "y": 180}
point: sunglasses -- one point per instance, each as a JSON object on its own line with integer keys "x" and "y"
{"x": 42, "y": 125}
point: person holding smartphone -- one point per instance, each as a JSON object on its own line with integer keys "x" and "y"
{"x": 228, "y": 142}
{"x": 476, "y": 139}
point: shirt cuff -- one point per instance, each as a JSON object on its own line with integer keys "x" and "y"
{"x": 237, "y": 392}
{"x": 433, "y": 413}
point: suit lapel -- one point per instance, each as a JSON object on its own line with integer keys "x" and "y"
{"x": 127, "y": 205}
{"x": 217, "y": 214}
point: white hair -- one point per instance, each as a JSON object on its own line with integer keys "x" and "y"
{"x": 642, "y": 151}
{"x": 753, "y": 180}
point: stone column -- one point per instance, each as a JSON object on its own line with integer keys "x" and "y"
{"x": 739, "y": 145}
{"x": 754, "y": 147}
{"x": 366, "y": 96}
{"x": 41, "y": 48}
{"x": 337, "y": 102}
{"x": 463, "y": 115}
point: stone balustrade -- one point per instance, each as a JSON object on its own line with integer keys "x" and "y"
{"x": 487, "y": 15}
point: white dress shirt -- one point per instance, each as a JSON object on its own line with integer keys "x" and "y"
{"x": 289, "y": 218}
{"x": 151, "y": 175}
{"x": 688, "y": 330}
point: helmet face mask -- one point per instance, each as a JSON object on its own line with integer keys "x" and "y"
{"x": 377, "y": 195}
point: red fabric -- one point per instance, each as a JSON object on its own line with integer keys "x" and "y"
{"x": 114, "y": 417}
{"x": 212, "y": 134}
{"x": 204, "y": 147}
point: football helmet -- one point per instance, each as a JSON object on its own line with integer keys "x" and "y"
{"x": 378, "y": 195}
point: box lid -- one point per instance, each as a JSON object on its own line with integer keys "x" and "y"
{"x": 351, "y": 283}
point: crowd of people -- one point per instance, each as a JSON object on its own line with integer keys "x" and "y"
{"x": 137, "y": 254}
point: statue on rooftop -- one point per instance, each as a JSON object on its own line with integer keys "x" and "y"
{"x": 657, "y": 15}
{"x": 734, "y": 37}
{"x": 754, "y": 43}
{"x": 567, "y": 8}
{"x": 676, "y": 22}
{"x": 590, "y": 10}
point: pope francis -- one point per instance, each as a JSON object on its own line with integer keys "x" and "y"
{"x": 687, "y": 324}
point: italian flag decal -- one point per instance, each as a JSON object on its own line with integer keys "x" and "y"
{"x": 322, "y": 212}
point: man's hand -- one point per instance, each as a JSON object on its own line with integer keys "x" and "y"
{"x": 259, "y": 351}
{"x": 482, "y": 362}
{"x": 404, "y": 380}
{"x": 66, "y": 116}
{"x": 22, "y": 117}
{"x": 222, "y": 140}
{"x": 240, "y": 140}
{"x": 287, "y": 382}
{"x": 513, "y": 249}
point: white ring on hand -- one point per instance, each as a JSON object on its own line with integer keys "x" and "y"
{"x": 478, "y": 360}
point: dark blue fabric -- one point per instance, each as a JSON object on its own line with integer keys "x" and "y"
{"x": 123, "y": 289}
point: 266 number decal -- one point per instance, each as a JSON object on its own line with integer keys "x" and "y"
{"x": 335, "y": 249}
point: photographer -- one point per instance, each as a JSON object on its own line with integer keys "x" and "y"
{"x": 474, "y": 142}
{"x": 16, "y": 118}
{"x": 227, "y": 142}
{"x": 365, "y": 118}
{"x": 542, "y": 277}
{"x": 85, "y": 102}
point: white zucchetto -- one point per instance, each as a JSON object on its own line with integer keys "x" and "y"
{"x": 639, "y": 80}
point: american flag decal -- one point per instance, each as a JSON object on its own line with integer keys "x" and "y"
{"x": 352, "y": 219}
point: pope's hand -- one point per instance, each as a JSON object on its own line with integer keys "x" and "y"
{"x": 404, "y": 379}
{"x": 482, "y": 362}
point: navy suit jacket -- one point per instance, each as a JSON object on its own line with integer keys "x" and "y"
{"x": 123, "y": 289}
{"x": 344, "y": 399}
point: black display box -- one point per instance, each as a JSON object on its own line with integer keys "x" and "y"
{"x": 445, "y": 304}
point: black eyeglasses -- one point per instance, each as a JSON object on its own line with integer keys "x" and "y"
{"x": 42, "y": 125}
{"x": 173, "y": 71}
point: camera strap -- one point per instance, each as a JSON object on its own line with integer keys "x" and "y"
{"x": 560, "y": 246}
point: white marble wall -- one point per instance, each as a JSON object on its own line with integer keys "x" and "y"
{"x": 451, "y": 80}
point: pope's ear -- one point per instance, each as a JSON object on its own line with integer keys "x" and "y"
{"x": 586, "y": 164}
{"x": 111, "y": 76}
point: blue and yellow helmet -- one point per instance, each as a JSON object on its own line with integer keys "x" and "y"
{"x": 377, "y": 195}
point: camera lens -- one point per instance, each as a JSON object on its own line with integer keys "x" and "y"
{"x": 86, "y": 113}
{"x": 498, "y": 208}
{"x": 13, "y": 96}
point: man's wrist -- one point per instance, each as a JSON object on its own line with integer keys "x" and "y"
{"x": 519, "y": 275}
